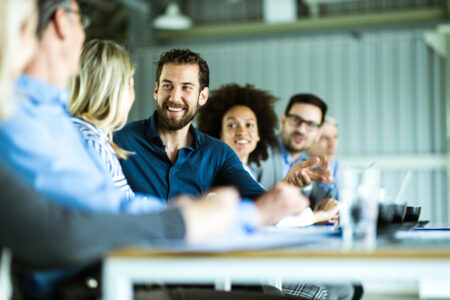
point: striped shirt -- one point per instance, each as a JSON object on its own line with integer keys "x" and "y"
{"x": 97, "y": 139}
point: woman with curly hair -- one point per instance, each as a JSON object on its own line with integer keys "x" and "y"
{"x": 232, "y": 113}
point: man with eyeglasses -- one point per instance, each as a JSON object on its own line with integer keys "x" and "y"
{"x": 300, "y": 128}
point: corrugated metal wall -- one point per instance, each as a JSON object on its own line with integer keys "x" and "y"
{"x": 386, "y": 88}
{"x": 204, "y": 12}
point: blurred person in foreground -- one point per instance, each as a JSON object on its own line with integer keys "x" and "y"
{"x": 326, "y": 146}
{"x": 18, "y": 43}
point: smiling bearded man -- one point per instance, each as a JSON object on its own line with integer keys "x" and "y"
{"x": 172, "y": 156}
{"x": 178, "y": 96}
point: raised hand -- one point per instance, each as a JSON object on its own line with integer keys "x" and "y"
{"x": 302, "y": 173}
{"x": 323, "y": 169}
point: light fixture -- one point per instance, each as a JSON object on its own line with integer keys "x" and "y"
{"x": 172, "y": 19}
{"x": 279, "y": 11}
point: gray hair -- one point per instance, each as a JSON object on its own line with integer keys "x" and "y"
{"x": 46, "y": 10}
{"x": 331, "y": 121}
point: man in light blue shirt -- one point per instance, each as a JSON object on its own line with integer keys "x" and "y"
{"x": 41, "y": 146}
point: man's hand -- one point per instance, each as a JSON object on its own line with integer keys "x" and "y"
{"x": 302, "y": 173}
{"x": 323, "y": 169}
{"x": 209, "y": 216}
{"x": 326, "y": 211}
{"x": 281, "y": 201}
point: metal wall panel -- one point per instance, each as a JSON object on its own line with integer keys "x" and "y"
{"x": 208, "y": 12}
{"x": 386, "y": 88}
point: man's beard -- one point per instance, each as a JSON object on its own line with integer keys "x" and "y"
{"x": 289, "y": 145}
{"x": 170, "y": 124}
{"x": 292, "y": 149}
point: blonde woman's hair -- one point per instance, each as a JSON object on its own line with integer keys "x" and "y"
{"x": 99, "y": 94}
{"x": 13, "y": 16}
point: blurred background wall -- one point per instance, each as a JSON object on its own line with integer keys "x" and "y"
{"x": 371, "y": 61}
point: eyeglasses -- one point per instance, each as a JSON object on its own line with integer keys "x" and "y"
{"x": 85, "y": 20}
{"x": 297, "y": 121}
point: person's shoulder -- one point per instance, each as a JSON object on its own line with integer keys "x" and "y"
{"x": 87, "y": 130}
{"x": 81, "y": 124}
{"x": 214, "y": 150}
{"x": 211, "y": 142}
{"x": 272, "y": 152}
{"x": 134, "y": 126}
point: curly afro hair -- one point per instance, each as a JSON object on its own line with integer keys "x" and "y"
{"x": 260, "y": 102}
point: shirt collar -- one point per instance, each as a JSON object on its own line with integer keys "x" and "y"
{"x": 152, "y": 131}
{"x": 40, "y": 91}
{"x": 287, "y": 157}
{"x": 94, "y": 129}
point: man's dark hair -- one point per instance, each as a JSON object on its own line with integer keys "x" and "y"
{"x": 308, "y": 99}
{"x": 260, "y": 102}
{"x": 47, "y": 9}
{"x": 184, "y": 57}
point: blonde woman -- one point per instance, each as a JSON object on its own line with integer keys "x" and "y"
{"x": 101, "y": 98}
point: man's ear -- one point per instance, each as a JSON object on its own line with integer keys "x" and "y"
{"x": 155, "y": 92}
{"x": 61, "y": 23}
{"x": 282, "y": 121}
{"x": 203, "y": 97}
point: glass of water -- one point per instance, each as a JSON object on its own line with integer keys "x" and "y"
{"x": 359, "y": 208}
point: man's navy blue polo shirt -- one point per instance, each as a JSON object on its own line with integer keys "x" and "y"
{"x": 207, "y": 163}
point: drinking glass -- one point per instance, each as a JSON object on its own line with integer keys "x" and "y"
{"x": 359, "y": 208}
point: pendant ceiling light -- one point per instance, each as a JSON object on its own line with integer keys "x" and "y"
{"x": 172, "y": 19}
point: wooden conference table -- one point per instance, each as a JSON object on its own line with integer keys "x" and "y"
{"x": 421, "y": 257}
